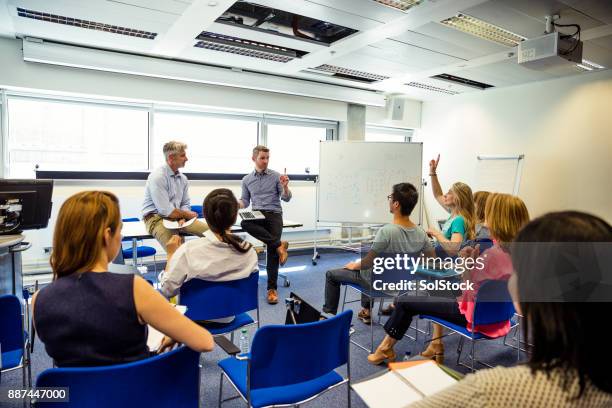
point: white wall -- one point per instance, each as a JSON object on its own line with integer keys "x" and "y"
{"x": 15, "y": 74}
{"x": 563, "y": 126}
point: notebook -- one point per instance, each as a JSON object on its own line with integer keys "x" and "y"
{"x": 155, "y": 337}
{"x": 251, "y": 215}
{"x": 404, "y": 384}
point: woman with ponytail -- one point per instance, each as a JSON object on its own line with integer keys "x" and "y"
{"x": 218, "y": 256}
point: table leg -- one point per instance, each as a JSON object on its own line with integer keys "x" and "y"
{"x": 134, "y": 250}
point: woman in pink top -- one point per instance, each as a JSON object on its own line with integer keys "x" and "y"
{"x": 504, "y": 215}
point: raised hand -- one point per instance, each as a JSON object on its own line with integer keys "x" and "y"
{"x": 433, "y": 165}
{"x": 284, "y": 179}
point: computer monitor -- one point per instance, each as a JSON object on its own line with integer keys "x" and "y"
{"x": 24, "y": 204}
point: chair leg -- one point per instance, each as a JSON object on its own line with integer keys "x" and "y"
{"x": 221, "y": 390}
{"x": 460, "y": 348}
{"x": 348, "y": 388}
{"x": 473, "y": 356}
{"x": 344, "y": 298}
{"x": 518, "y": 342}
{"x": 232, "y": 336}
{"x": 371, "y": 328}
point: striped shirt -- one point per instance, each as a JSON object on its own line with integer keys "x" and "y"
{"x": 263, "y": 190}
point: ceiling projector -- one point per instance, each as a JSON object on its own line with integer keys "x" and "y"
{"x": 550, "y": 52}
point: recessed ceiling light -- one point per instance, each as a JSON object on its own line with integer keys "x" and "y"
{"x": 482, "y": 29}
{"x": 399, "y": 4}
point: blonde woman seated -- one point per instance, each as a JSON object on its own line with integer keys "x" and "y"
{"x": 90, "y": 317}
{"x": 218, "y": 256}
{"x": 481, "y": 230}
{"x": 567, "y": 366}
{"x": 505, "y": 215}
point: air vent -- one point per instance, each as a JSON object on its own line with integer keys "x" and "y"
{"x": 462, "y": 81}
{"x": 352, "y": 74}
{"x": 431, "y": 88}
{"x": 273, "y": 21}
{"x": 248, "y": 48}
{"x": 482, "y": 29}
{"x": 90, "y": 25}
{"x": 399, "y": 4}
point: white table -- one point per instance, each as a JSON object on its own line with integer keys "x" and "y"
{"x": 136, "y": 230}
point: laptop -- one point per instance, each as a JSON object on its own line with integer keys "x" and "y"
{"x": 246, "y": 215}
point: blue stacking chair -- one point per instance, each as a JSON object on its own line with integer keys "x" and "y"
{"x": 493, "y": 304}
{"x": 14, "y": 339}
{"x": 291, "y": 364}
{"x": 142, "y": 251}
{"x": 373, "y": 295}
{"x": 198, "y": 209}
{"x": 170, "y": 380}
{"x": 206, "y": 300}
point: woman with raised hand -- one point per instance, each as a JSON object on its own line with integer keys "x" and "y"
{"x": 505, "y": 214}
{"x": 459, "y": 203}
{"x": 88, "y": 316}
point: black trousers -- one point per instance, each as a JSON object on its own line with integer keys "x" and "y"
{"x": 406, "y": 307}
{"x": 269, "y": 232}
{"x": 333, "y": 279}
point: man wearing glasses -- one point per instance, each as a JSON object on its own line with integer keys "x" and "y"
{"x": 401, "y": 236}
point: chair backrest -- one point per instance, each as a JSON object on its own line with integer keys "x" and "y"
{"x": 493, "y": 303}
{"x": 132, "y": 219}
{"x": 198, "y": 209}
{"x": 168, "y": 380}
{"x": 207, "y": 300}
{"x": 485, "y": 243}
{"x": 11, "y": 323}
{"x": 284, "y": 355}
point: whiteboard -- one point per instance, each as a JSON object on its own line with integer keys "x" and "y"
{"x": 355, "y": 179}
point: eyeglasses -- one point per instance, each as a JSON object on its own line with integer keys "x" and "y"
{"x": 390, "y": 197}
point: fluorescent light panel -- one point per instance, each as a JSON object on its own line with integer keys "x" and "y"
{"x": 90, "y": 25}
{"x": 350, "y": 72}
{"x": 431, "y": 88}
{"x": 248, "y": 48}
{"x": 482, "y": 29}
{"x": 399, "y": 4}
{"x": 591, "y": 64}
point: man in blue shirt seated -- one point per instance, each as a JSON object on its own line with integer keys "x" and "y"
{"x": 265, "y": 188}
{"x": 167, "y": 196}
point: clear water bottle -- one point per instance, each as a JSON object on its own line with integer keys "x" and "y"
{"x": 244, "y": 341}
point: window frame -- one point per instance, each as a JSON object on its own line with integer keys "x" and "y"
{"x": 262, "y": 119}
{"x": 65, "y": 100}
{"x": 408, "y": 133}
{"x": 330, "y": 126}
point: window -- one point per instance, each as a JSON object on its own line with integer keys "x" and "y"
{"x": 74, "y": 136}
{"x": 68, "y": 136}
{"x": 295, "y": 146}
{"x": 215, "y": 144}
{"x": 386, "y": 134}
